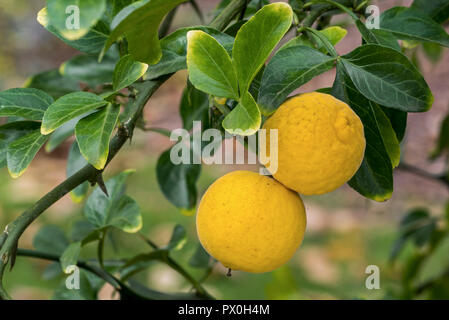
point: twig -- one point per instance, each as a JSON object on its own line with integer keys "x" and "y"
{"x": 442, "y": 178}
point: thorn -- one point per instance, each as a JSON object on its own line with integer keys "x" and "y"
{"x": 101, "y": 184}
{"x": 13, "y": 256}
{"x": 229, "y": 273}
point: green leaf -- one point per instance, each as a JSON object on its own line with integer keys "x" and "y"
{"x": 438, "y": 10}
{"x": 22, "y": 151}
{"x": 64, "y": 15}
{"x": 27, "y": 103}
{"x": 387, "y": 77}
{"x": 93, "y": 134}
{"x": 117, "y": 209}
{"x": 53, "y": 83}
{"x": 12, "y": 131}
{"x": 374, "y": 179}
{"x": 443, "y": 138}
{"x": 436, "y": 264}
{"x": 418, "y": 226}
{"x": 290, "y": 68}
{"x": 87, "y": 69}
{"x": 245, "y": 118}
{"x": 91, "y": 43}
{"x": 433, "y": 51}
{"x": 210, "y": 67}
{"x": 75, "y": 162}
{"x": 200, "y": 259}
{"x": 257, "y": 38}
{"x": 70, "y": 256}
{"x": 61, "y": 134}
{"x": 334, "y": 34}
{"x": 388, "y": 134}
{"x": 50, "y": 239}
{"x": 178, "y": 181}
{"x": 386, "y": 38}
{"x": 68, "y": 107}
{"x": 140, "y": 23}
{"x": 398, "y": 120}
{"x": 412, "y": 24}
{"x": 83, "y": 231}
{"x": 174, "y": 51}
{"x": 127, "y": 71}
{"x": 194, "y": 107}
{"x": 178, "y": 238}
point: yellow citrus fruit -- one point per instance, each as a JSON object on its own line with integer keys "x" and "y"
{"x": 320, "y": 143}
{"x": 250, "y": 222}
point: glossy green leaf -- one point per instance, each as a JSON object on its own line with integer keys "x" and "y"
{"x": 290, "y": 68}
{"x": 334, "y": 34}
{"x": 388, "y": 134}
{"x": 75, "y": 162}
{"x": 68, "y": 107}
{"x": 374, "y": 179}
{"x": 91, "y": 43}
{"x": 412, "y": 24}
{"x": 387, "y": 77}
{"x": 27, "y": 103}
{"x": 257, "y": 38}
{"x": 93, "y": 134}
{"x": 127, "y": 71}
{"x": 70, "y": 256}
{"x": 200, "y": 258}
{"x": 87, "y": 69}
{"x": 174, "y": 50}
{"x": 438, "y": 10}
{"x": 22, "y": 151}
{"x": 53, "y": 83}
{"x": 245, "y": 118}
{"x": 194, "y": 107}
{"x": 139, "y": 22}
{"x": 74, "y": 18}
{"x": 61, "y": 134}
{"x": 386, "y": 38}
{"x": 12, "y": 131}
{"x": 50, "y": 239}
{"x": 82, "y": 230}
{"x": 178, "y": 181}
{"x": 178, "y": 238}
{"x": 117, "y": 209}
{"x": 398, "y": 120}
{"x": 210, "y": 67}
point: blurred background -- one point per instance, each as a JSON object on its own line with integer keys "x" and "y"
{"x": 346, "y": 233}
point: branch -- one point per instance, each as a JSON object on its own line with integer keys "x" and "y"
{"x": 177, "y": 267}
{"x": 117, "y": 284}
{"x": 442, "y": 178}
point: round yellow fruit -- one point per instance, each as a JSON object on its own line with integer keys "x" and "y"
{"x": 321, "y": 143}
{"x": 250, "y": 222}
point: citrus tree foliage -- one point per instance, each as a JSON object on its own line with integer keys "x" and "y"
{"x": 125, "y": 54}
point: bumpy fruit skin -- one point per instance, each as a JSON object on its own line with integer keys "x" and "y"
{"x": 321, "y": 143}
{"x": 250, "y": 222}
